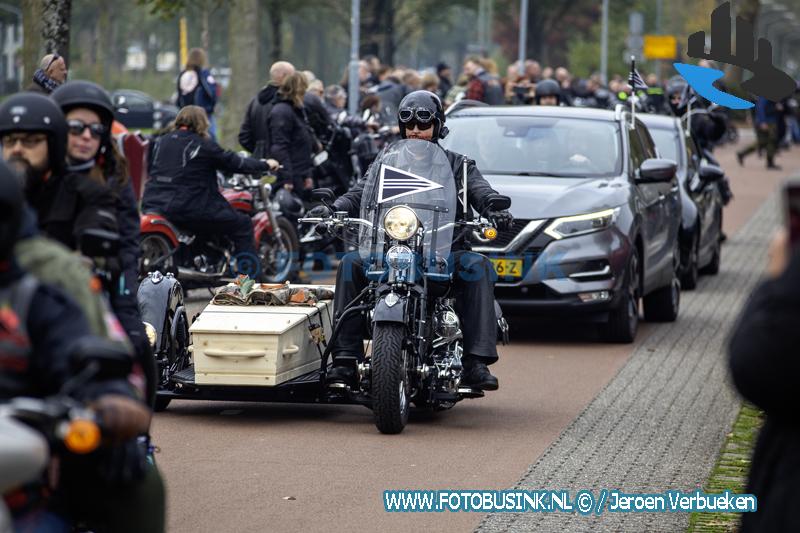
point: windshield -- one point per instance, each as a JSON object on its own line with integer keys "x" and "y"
{"x": 538, "y": 146}
{"x": 416, "y": 174}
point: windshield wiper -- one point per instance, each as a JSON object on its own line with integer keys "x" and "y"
{"x": 535, "y": 174}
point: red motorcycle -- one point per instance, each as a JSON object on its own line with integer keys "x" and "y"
{"x": 208, "y": 260}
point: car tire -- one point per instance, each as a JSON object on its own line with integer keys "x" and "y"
{"x": 712, "y": 268}
{"x": 692, "y": 271}
{"x": 623, "y": 320}
{"x": 663, "y": 304}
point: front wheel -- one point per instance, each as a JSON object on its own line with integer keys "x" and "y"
{"x": 623, "y": 320}
{"x": 390, "y": 387}
{"x": 280, "y": 257}
{"x": 155, "y": 252}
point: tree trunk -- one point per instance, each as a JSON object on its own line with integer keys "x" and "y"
{"x": 243, "y": 35}
{"x": 204, "y": 33}
{"x": 387, "y": 53}
{"x": 276, "y": 25}
{"x": 56, "y": 27}
{"x": 32, "y": 38}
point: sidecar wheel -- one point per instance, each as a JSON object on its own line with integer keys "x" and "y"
{"x": 390, "y": 387}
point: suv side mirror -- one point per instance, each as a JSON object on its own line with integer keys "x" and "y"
{"x": 657, "y": 171}
{"x": 324, "y": 195}
{"x": 710, "y": 173}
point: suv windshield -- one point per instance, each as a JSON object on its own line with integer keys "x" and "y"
{"x": 538, "y": 146}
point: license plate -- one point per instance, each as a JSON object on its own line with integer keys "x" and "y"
{"x": 508, "y": 267}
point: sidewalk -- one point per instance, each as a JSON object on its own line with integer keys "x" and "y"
{"x": 659, "y": 424}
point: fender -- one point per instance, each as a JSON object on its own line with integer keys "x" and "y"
{"x": 239, "y": 200}
{"x": 155, "y": 223}
{"x": 390, "y": 313}
{"x": 261, "y": 224}
{"x": 157, "y": 295}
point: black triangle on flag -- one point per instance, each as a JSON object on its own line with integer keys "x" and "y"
{"x": 395, "y": 183}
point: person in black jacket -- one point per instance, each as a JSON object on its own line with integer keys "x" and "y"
{"x": 34, "y": 134}
{"x": 254, "y": 131}
{"x": 183, "y": 181}
{"x": 764, "y": 367}
{"x": 421, "y": 116}
{"x": 291, "y": 139}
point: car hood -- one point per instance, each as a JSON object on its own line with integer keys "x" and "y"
{"x": 539, "y": 197}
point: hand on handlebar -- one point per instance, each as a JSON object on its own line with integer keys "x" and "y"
{"x": 502, "y": 220}
{"x": 272, "y": 164}
{"x": 123, "y": 418}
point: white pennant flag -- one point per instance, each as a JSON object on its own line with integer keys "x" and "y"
{"x": 395, "y": 183}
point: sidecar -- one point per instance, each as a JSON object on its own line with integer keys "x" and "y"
{"x": 267, "y": 353}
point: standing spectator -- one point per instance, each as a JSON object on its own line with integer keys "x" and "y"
{"x": 196, "y": 86}
{"x": 445, "y": 82}
{"x": 51, "y": 73}
{"x": 290, "y": 139}
{"x": 430, "y": 82}
{"x": 533, "y": 70}
{"x": 766, "y": 120}
{"x": 482, "y": 86}
{"x": 335, "y": 100}
{"x": 254, "y": 131}
{"x": 764, "y": 367}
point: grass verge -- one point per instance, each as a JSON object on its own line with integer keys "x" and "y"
{"x": 730, "y": 472}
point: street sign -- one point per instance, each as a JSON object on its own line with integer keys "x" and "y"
{"x": 660, "y": 47}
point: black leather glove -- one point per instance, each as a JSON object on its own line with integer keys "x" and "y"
{"x": 502, "y": 220}
{"x": 320, "y": 211}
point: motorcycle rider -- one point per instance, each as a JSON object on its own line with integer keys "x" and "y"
{"x": 547, "y": 92}
{"x": 421, "y": 116}
{"x": 92, "y": 156}
{"x": 705, "y": 128}
{"x": 41, "y": 332}
{"x": 35, "y": 140}
{"x": 183, "y": 181}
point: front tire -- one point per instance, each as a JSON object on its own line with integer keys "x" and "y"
{"x": 712, "y": 267}
{"x": 390, "y": 387}
{"x": 280, "y": 257}
{"x": 153, "y": 247}
{"x": 623, "y": 321}
{"x": 691, "y": 273}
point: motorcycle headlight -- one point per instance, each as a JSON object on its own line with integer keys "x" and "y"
{"x": 400, "y": 223}
{"x": 582, "y": 224}
{"x": 152, "y": 336}
{"x": 399, "y": 257}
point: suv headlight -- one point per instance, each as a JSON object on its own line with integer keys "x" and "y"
{"x": 400, "y": 222}
{"x": 582, "y": 224}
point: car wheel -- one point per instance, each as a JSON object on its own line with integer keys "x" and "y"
{"x": 712, "y": 267}
{"x": 663, "y": 304}
{"x": 691, "y": 271}
{"x": 623, "y": 321}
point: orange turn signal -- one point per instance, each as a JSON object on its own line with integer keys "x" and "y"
{"x": 83, "y": 436}
{"x": 490, "y": 233}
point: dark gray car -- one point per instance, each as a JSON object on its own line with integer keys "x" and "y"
{"x": 597, "y": 213}
{"x": 701, "y": 202}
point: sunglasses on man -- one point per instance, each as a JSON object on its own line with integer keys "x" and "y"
{"x": 77, "y": 127}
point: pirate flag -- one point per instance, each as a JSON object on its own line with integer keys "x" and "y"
{"x": 395, "y": 183}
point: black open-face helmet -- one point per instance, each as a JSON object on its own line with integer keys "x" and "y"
{"x": 81, "y": 93}
{"x": 675, "y": 91}
{"x": 547, "y": 87}
{"x": 11, "y": 205}
{"x": 422, "y": 108}
{"x": 35, "y": 112}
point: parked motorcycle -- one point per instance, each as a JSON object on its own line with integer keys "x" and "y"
{"x": 405, "y": 232}
{"x": 207, "y": 261}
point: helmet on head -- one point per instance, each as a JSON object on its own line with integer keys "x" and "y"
{"x": 36, "y": 112}
{"x": 547, "y": 87}
{"x": 422, "y": 107}
{"x": 676, "y": 88}
{"x": 11, "y": 205}
{"x": 80, "y": 93}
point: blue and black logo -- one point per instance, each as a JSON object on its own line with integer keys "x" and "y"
{"x": 767, "y": 81}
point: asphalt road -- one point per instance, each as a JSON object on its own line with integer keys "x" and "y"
{"x": 280, "y": 467}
